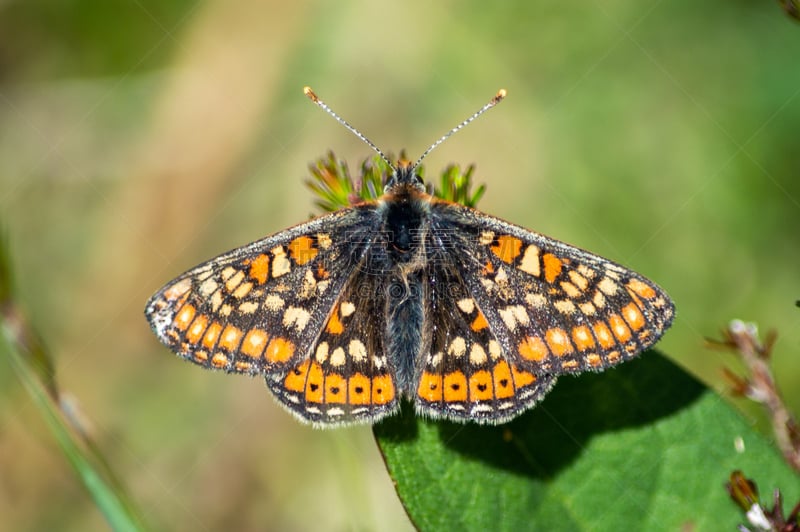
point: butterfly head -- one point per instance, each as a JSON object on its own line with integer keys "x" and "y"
{"x": 404, "y": 175}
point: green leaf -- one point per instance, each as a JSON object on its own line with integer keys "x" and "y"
{"x": 642, "y": 447}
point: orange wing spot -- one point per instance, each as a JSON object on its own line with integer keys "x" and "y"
{"x": 430, "y": 387}
{"x": 201, "y": 356}
{"x": 335, "y": 388}
{"x": 642, "y": 289}
{"x": 197, "y": 329}
{"x": 302, "y": 250}
{"x": 613, "y": 357}
{"x": 279, "y": 350}
{"x": 503, "y": 383}
{"x": 314, "y": 389}
{"x": 507, "y": 248}
{"x": 334, "y": 323}
{"x": 212, "y": 334}
{"x": 533, "y": 348}
{"x": 594, "y": 360}
{"x": 633, "y": 316}
{"x": 488, "y": 268}
{"x": 382, "y": 390}
{"x": 603, "y": 335}
{"x": 521, "y": 377}
{"x": 455, "y": 387}
{"x": 621, "y": 331}
{"x": 296, "y": 378}
{"x": 480, "y": 322}
{"x": 322, "y": 273}
{"x": 254, "y": 343}
{"x": 219, "y": 360}
{"x": 582, "y": 336}
{"x": 480, "y": 386}
{"x": 184, "y": 317}
{"x": 259, "y": 269}
{"x": 558, "y": 340}
{"x": 229, "y": 340}
{"x": 359, "y": 389}
{"x": 552, "y": 267}
{"x": 243, "y": 366}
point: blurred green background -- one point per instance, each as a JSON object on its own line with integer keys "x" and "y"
{"x": 139, "y": 138}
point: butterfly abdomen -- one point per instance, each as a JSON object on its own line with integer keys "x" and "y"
{"x": 406, "y": 316}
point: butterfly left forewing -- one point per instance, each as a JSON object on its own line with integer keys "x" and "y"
{"x": 257, "y": 309}
{"x": 555, "y": 308}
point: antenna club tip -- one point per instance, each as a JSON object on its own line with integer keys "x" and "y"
{"x": 500, "y": 95}
{"x": 308, "y": 91}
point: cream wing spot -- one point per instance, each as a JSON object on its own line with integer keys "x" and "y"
{"x": 248, "y": 307}
{"x": 580, "y": 281}
{"x": 608, "y": 287}
{"x": 513, "y": 315}
{"x": 570, "y": 289}
{"x": 338, "y": 357}
{"x": 565, "y": 306}
{"x": 234, "y": 281}
{"x": 346, "y": 308}
{"x": 296, "y": 316}
{"x": 309, "y": 285}
{"x": 273, "y": 303}
{"x": 228, "y": 272}
{"x": 466, "y": 305}
{"x": 216, "y": 300}
{"x": 242, "y": 290}
{"x": 321, "y": 354}
{"x": 535, "y": 301}
{"x": 280, "y": 262}
{"x": 324, "y": 240}
{"x": 357, "y": 350}
{"x": 530, "y": 261}
{"x": 494, "y": 349}
{"x": 599, "y": 299}
{"x": 486, "y": 238}
{"x": 477, "y": 355}
{"x": 208, "y": 287}
{"x": 457, "y": 347}
{"x": 586, "y": 271}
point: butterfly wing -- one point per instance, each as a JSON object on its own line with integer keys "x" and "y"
{"x": 347, "y": 377}
{"x": 262, "y": 309}
{"x": 553, "y": 308}
{"x": 466, "y": 374}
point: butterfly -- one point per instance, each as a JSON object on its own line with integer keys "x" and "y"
{"x": 469, "y": 317}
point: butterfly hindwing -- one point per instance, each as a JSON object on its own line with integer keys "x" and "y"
{"x": 466, "y": 374}
{"x": 554, "y": 308}
{"x": 347, "y": 377}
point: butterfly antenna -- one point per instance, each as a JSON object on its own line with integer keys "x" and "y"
{"x": 494, "y": 101}
{"x": 314, "y": 98}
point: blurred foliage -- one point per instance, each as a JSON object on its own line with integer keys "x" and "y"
{"x": 138, "y": 139}
{"x": 35, "y": 369}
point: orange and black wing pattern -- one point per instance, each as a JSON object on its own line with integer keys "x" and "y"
{"x": 553, "y": 308}
{"x": 278, "y": 307}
